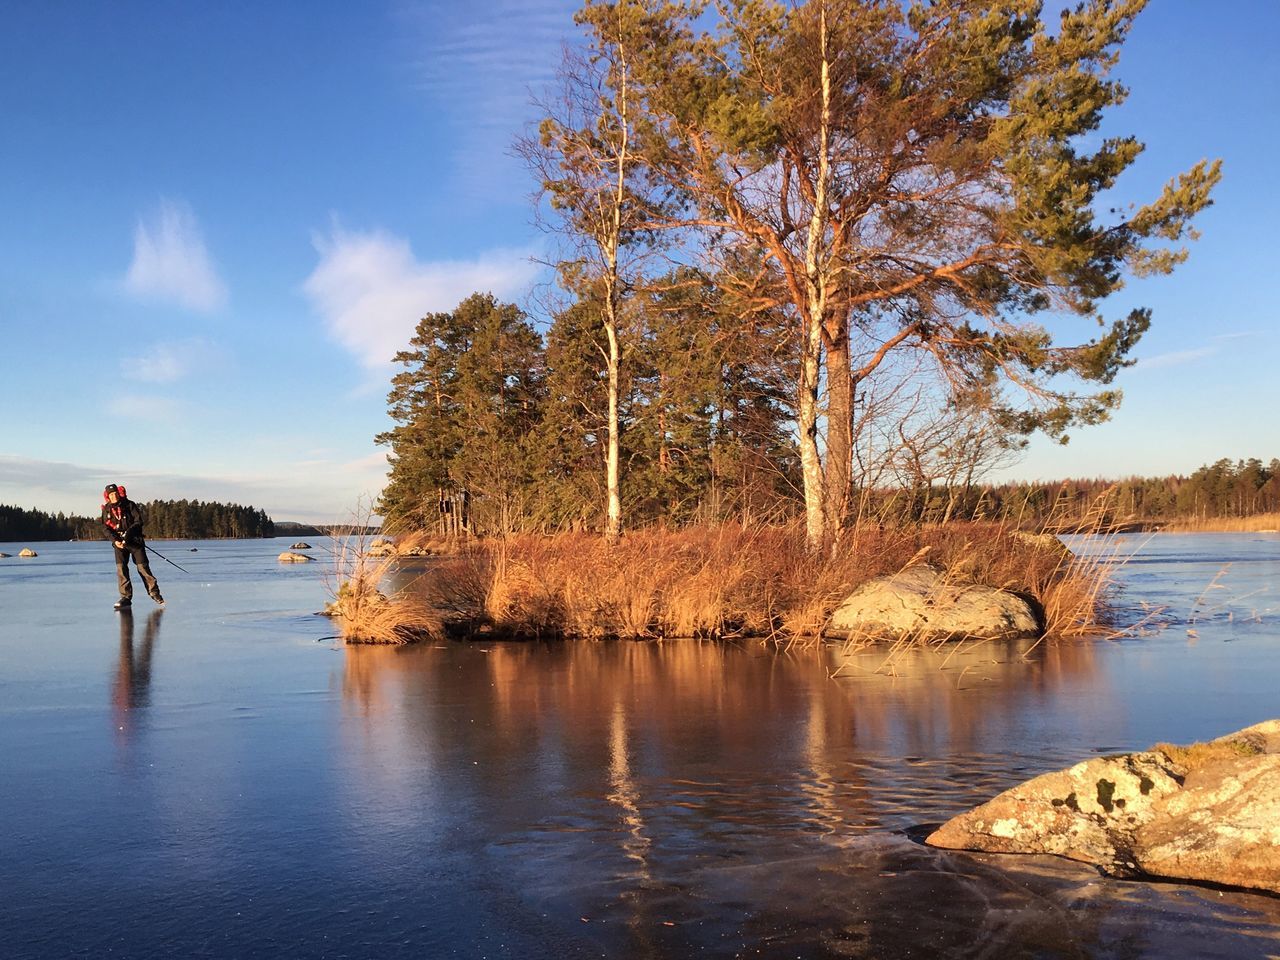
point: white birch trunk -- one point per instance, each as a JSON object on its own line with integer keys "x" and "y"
{"x": 816, "y": 520}
{"x": 613, "y": 238}
{"x": 613, "y": 516}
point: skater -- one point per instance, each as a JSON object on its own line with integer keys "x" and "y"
{"x": 124, "y": 519}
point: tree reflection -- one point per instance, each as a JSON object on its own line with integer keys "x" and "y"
{"x": 674, "y": 798}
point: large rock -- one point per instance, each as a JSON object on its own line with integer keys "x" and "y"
{"x": 288, "y": 557}
{"x": 301, "y": 545}
{"x": 1210, "y": 812}
{"x": 1045, "y": 541}
{"x": 1223, "y": 826}
{"x": 921, "y": 601}
{"x": 27, "y": 552}
{"x": 381, "y": 548}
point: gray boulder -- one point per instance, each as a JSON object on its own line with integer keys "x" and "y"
{"x": 381, "y": 548}
{"x": 1046, "y": 541}
{"x": 1210, "y": 812}
{"x": 3, "y": 555}
{"x": 288, "y": 557}
{"x": 301, "y": 545}
{"x": 920, "y": 601}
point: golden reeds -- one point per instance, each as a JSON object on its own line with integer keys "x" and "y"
{"x": 733, "y": 580}
{"x": 1258, "y": 523}
{"x": 364, "y": 613}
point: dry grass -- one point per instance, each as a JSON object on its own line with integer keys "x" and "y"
{"x": 726, "y": 581}
{"x": 1258, "y": 523}
{"x": 364, "y": 613}
{"x": 425, "y": 543}
{"x": 1196, "y": 755}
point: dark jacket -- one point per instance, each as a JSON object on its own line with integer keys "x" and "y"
{"x": 123, "y": 520}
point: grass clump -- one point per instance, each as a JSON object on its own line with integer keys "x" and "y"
{"x": 1196, "y": 755}
{"x": 364, "y": 613}
{"x": 737, "y": 580}
{"x": 1257, "y": 523}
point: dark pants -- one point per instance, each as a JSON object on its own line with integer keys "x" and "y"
{"x": 139, "y": 554}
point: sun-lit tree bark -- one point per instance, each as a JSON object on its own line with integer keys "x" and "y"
{"x": 586, "y": 159}
{"x": 919, "y": 177}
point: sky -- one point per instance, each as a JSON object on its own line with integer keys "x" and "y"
{"x": 218, "y": 222}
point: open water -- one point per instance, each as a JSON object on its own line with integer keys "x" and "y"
{"x": 222, "y": 779}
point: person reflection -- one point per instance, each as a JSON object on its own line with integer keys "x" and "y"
{"x": 132, "y": 688}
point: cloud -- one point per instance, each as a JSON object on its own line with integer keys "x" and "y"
{"x": 150, "y": 408}
{"x": 1175, "y": 358}
{"x": 170, "y": 262}
{"x": 371, "y": 290}
{"x": 167, "y": 361}
{"x": 493, "y": 62}
{"x": 482, "y": 74}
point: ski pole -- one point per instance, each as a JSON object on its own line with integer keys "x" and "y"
{"x": 166, "y": 559}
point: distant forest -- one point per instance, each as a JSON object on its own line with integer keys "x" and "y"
{"x": 1221, "y": 490}
{"x": 1226, "y": 489}
{"x": 166, "y": 519}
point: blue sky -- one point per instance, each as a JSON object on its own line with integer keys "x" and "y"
{"x": 217, "y": 222}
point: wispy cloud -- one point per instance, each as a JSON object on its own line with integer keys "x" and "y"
{"x": 485, "y": 72}
{"x": 150, "y": 408}
{"x": 371, "y": 290}
{"x": 168, "y": 361}
{"x": 170, "y": 262}
{"x": 1174, "y": 358}
{"x": 1178, "y": 358}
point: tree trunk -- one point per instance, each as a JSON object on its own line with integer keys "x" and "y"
{"x": 612, "y": 241}
{"x": 807, "y": 424}
{"x": 613, "y": 516}
{"x": 838, "y": 473}
{"x": 817, "y": 523}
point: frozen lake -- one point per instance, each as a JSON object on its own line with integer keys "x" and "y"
{"x": 223, "y": 779}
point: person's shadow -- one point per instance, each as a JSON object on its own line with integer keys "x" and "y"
{"x": 132, "y": 687}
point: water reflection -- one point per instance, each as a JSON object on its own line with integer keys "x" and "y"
{"x": 131, "y": 688}
{"x": 832, "y": 740}
{"x": 698, "y": 797}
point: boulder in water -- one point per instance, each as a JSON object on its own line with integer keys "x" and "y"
{"x": 1209, "y": 813}
{"x": 27, "y": 552}
{"x": 300, "y": 546}
{"x": 381, "y": 548}
{"x": 922, "y": 602}
{"x": 289, "y": 557}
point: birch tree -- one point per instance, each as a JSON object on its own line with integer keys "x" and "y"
{"x": 918, "y": 177}
{"x": 587, "y": 158}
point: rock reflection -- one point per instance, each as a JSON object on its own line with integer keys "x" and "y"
{"x": 824, "y": 741}
{"x": 131, "y": 687}
{"x": 706, "y": 798}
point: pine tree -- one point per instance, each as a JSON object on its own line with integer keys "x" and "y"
{"x": 917, "y": 178}
{"x": 467, "y": 402}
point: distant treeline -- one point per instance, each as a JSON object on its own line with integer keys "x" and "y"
{"x": 289, "y": 528}
{"x": 1225, "y": 489}
{"x": 168, "y": 519}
